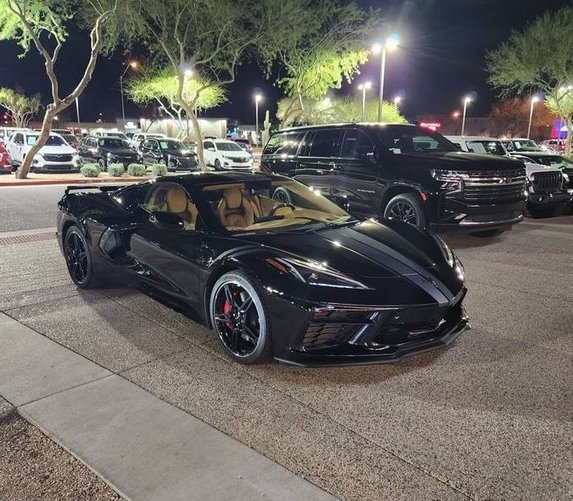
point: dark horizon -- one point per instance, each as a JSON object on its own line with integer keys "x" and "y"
{"x": 440, "y": 59}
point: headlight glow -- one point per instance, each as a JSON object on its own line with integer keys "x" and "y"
{"x": 446, "y": 251}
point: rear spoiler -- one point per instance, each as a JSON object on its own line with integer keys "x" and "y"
{"x": 100, "y": 187}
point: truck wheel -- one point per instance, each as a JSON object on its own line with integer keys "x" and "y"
{"x": 407, "y": 208}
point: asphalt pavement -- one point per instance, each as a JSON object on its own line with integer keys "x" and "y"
{"x": 489, "y": 417}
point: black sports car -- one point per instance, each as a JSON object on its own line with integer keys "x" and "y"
{"x": 303, "y": 282}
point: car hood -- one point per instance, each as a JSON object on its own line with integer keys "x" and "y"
{"x": 235, "y": 154}
{"x": 118, "y": 151}
{"x": 57, "y": 150}
{"x": 458, "y": 160}
{"x": 367, "y": 250}
{"x": 178, "y": 153}
{"x": 531, "y": 168}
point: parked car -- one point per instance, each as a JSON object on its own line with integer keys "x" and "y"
{"x": 223, "y": 154}
{"x": 138, "y": 137}
{"x": 6, "y": 132}
{"x": 244, "y": 143}
{"x": 556, "y": 146}
{"x": 71, "y": 139}
{"x": 479, "y": 144}
{"x": 403, "y": 172}
{"x": 519, "y": 144}
{"x": 549, "y": 182}
{"x": 305, "y": 283}
{"x": 5, "y": 164}
{"x": 55, "y": 156}
{"x": 170, "y": 152}
{"x": 106, "y": 150}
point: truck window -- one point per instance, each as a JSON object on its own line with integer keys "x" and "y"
{"x": 326, "y": 143}
{"x": 356, "y": 144}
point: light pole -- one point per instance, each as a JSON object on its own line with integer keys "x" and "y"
{"x": 390, "y": 44}
{"x": 534, "y": 99}
{"x": 131, "y": 64}
{"x": 363, "y": 87}
{"x": 78, "y": 110}
{"x": 467, "y": 100}
{"x": 258, "y": 97}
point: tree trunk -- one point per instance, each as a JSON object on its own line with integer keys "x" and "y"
{"x": 199, "y": 139}
{"x": 24, "y": 168}
{"x": 569, "y": 125}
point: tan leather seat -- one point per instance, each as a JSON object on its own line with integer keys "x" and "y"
{"x": 234, "y": 210}
{"x": 178, "y": 203}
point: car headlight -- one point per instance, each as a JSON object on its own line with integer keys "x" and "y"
{"x": 565, "y": 177}
{"x": 446, "y": 251}
{"x": 450, "y": 181}
{"x": 110, "y": 156}
{"x": 314, "y": 273}
{"x": 459, "y": 268}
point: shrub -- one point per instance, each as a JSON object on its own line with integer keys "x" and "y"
{"x": 90, "y": 170}
{"x": 159, "y": 169}
{"x": 136, "y": 170}
{"x": 115, "y": 170}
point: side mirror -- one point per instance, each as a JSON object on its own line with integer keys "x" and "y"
{"x": 166, "y": 221}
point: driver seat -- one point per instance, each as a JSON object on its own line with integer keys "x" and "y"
{"x": 178, "y": 203}
{"x": 234, "y": 210}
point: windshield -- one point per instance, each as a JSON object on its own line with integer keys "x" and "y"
{"x": 52, "y": 141}
{"x": 112, "y": 142}
{"x": 492, "y": 147}
{"x": 228, "y": 146}
{"x": 556, "y": 161}
{"x": 170, "y": 145}
{"x": 407, "y": 139}
{"x": 262, "y": 206}
{"x": 522, "y": 145}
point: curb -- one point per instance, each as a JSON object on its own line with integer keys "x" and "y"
{"x": 79, "y": 180}
{"x": 6, "y": 409}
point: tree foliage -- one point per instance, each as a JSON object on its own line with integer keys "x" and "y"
{"x": 335, "y": 110}
{"x": 20, "y": 108}
{"x": 43, "y": 24}
{"x": 510, "y": 117}
{"x": 539, "y": 58}
{"x": 320, "y": 45}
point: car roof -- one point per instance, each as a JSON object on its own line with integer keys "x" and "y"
{"x": 472, "y": 138}
{"x": 345, "y": 124}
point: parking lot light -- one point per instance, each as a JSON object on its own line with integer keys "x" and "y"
{"x": 363, "y": 87}
{"x": 534, "y": 100}
{"x": 258, "y": 97}
{"x": 391, "y": 43}
{"x": 467, "y": 100}
{"x": 133, "y": 65}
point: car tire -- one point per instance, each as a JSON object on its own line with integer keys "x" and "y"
{"x": 407, "y": 208}
{"x": 218, "y": 165}
{"x": 238, "y": 316}
{"x": 79, "y": 260}
{"x": 103, "y": 165}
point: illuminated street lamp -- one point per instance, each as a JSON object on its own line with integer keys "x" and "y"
{"x": 363, "y": 87}
{"x": 133, "y": 65}
{"x": 534, "y": 100}
{"x": 258, "y": 97}
{"x": 391, "y": 43}
{"x": 78, "y": 109}
{"x": 397, "y": 100}
{"x": 467, "y": 100}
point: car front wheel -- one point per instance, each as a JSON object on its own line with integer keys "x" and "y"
{"x": 407, "y": 208}
{"x": 238, "y": 317}
{"x": 79, "y": 259}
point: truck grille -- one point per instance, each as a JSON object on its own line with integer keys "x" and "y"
{"x": 58, "y": 158}
{"x": 493, "y": 186}
{"x": 546, "y": 182}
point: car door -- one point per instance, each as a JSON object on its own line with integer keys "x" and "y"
{"x": 209, "y": 152}
{"x": 317, "y": 159}
{"x": 165, "y": 257}
{"x": 280, "y": 153}
{"x": 355, "y": 174}
{"x": 83, "y": 149}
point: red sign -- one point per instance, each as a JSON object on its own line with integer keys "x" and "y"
{"x": 431, "y": 125}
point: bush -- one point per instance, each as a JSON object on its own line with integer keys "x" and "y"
{"x": 136, "y": 170}
{"x": 115, "y": 170}
{"x": 90, "y": 170}
{"x": 159, "y": 169}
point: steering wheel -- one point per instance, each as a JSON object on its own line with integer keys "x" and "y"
{"x": 280, "y": 206}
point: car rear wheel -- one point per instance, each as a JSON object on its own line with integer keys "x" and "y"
{"x": 79, "y": 259}
{"x": 406, "y": 208}
{"x": 238, "y": 317}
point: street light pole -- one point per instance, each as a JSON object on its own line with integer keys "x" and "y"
{"x": 258, "y": 97}
{"x": 363, "y": 87}
{"x": 131, "y": 64}
{"x": 390, "y": 44}
{"x": 467, "y": 100}
{"x": 78, "y": 110}
{"x": 534, "y": 99}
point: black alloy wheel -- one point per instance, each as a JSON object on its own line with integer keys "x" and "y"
{"x": 78, "y": 258}
{"x": 238, "y": 317}
{"x": 406, "y": 208}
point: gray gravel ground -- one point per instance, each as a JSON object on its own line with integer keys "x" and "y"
{"x": 487, "y": 418}
{"x": 32, "y": 467}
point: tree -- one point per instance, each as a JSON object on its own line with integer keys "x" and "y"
{"x": 510, "y": 117}
{"x": 321, "y": 44}
{"x": 333, "y": 110}
{"x": 209, "y": 38}
{"x": 539, "y": 58}
{"x": 44, "y": 24}
{"x": 161, "y": 86}
{"x": 20, "y": 108}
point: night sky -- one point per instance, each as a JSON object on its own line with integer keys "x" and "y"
{"x": 441, "y": 58}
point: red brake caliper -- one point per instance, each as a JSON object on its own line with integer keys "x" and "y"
{"x": 227, "y": 307}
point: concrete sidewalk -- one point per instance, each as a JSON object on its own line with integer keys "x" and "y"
{"x": 141, "y": 445}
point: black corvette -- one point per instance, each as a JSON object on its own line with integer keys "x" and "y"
{"x": 303, "y": 282}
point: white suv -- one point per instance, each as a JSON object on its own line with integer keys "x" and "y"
{"x": 223, "y": 154}
{"x": 55, "y": 155}
{"x": 140, "y": 136}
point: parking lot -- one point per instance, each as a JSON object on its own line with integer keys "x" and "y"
{"x": 487, "y": 418}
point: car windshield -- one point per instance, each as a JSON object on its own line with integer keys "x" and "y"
{"x": 556, "y": 161}
{"x": 112, "y": 142}
{"x": 522, "y": 145}
{"x": 492, "y": 147}
{"x": 228, "y": 146}
{"x": 170, "y": 145}
{"x": 52, "y": 140}
{"x": 407, "y": 139}
{"x": 270, "y": 206}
